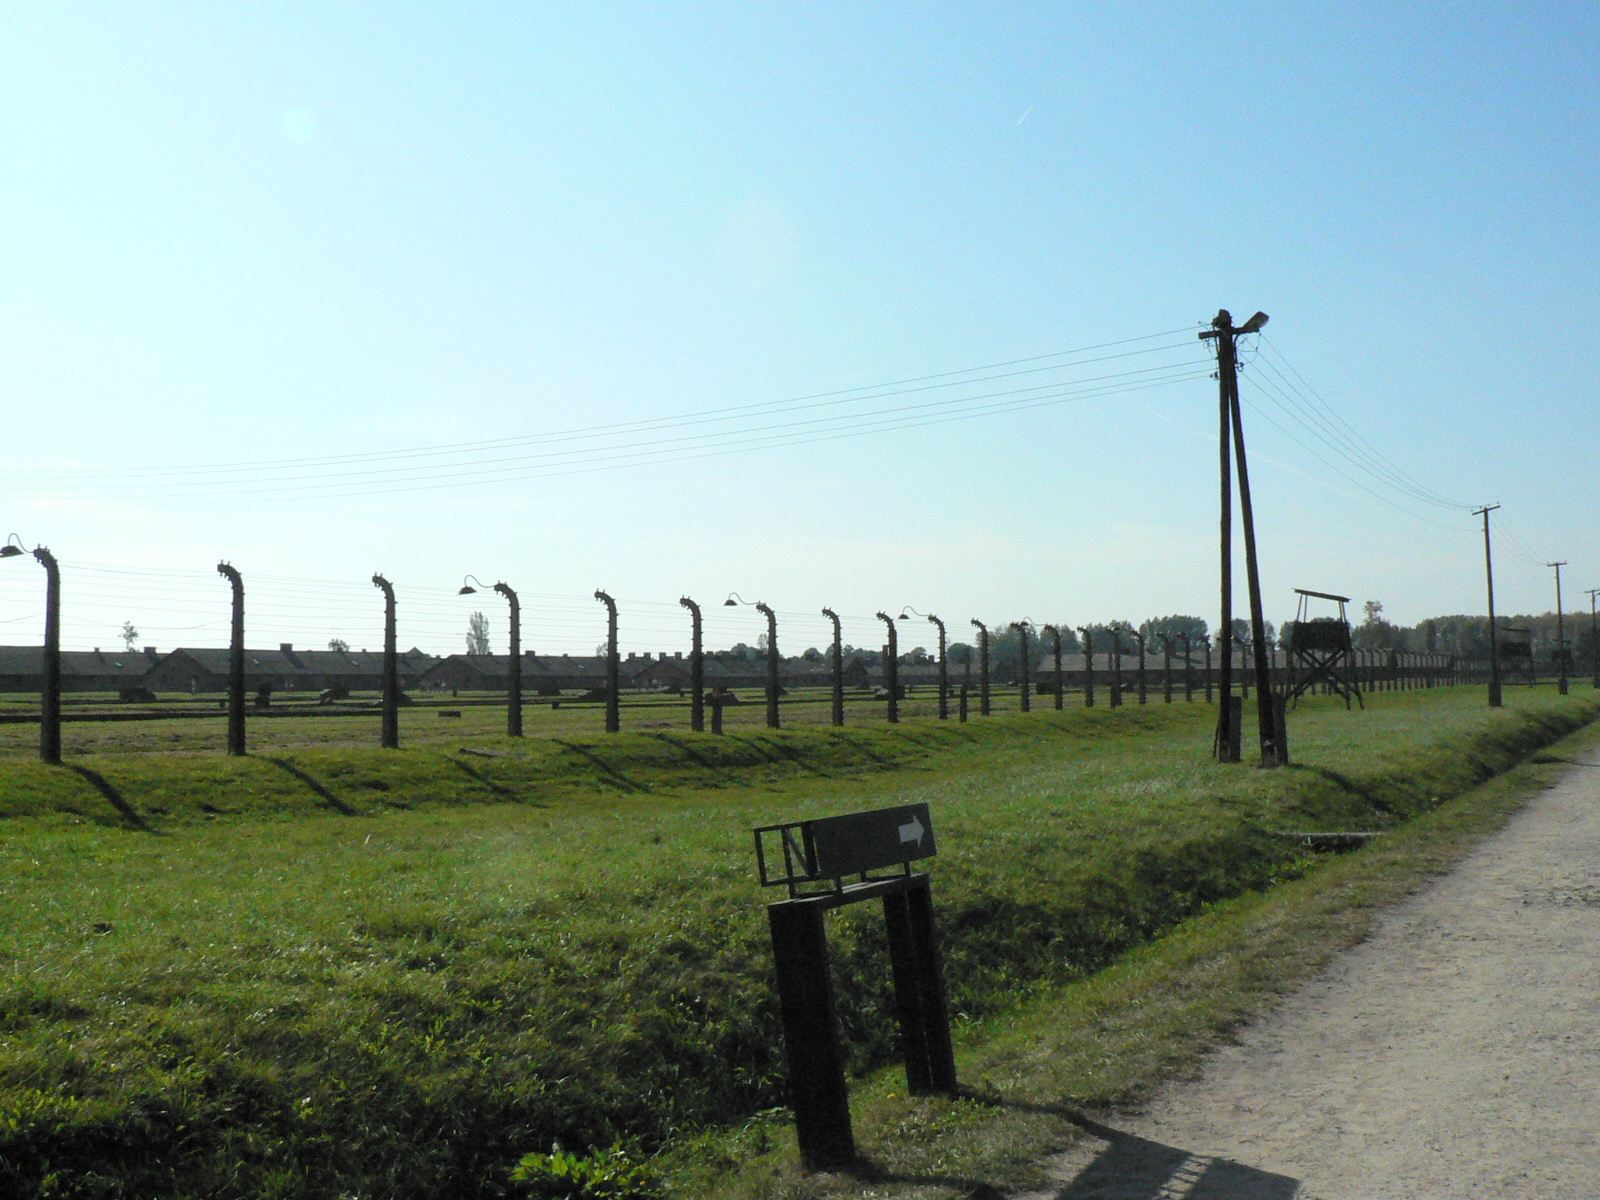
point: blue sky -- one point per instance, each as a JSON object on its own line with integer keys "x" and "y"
{"x": 232, "y": 234}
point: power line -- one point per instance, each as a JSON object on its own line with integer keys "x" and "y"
{"x": 555, "y": 464}
{"x": 1320, "y": 419}
{"x": 1345, "y": 475}
{"x": 969, "y": 376}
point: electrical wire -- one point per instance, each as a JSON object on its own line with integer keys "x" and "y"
{"x": 1345, "y": 475}
{"x": 1320, "y": 419}
{"x": 795, "y": 403}
{"x": 777, "y": 428}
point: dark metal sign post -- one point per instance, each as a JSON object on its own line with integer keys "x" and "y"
{"x": 824, "y": 852}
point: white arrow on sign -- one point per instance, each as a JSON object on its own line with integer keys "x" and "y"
{"x": 912, "y": 831}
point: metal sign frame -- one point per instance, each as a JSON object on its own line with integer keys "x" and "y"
{"x": 825, "y": 850}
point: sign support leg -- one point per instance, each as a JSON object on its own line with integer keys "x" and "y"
{"x": 930, "y": 992}
{"x": 817, "y": 1088}
{"x": 908, "y": 993}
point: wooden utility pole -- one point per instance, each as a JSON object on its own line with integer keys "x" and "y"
{"x": 1594, "y": 642}
{"x": 1231, "y": 421}
{"x": 1488, "y": 570}
{"x": 1561, "y": 633}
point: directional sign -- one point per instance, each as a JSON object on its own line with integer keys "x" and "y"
{"x": 834, "y": 847}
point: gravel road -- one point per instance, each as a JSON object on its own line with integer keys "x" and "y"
{"x": 1455, "y": 1053}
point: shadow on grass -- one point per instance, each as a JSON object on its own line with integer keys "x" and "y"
{"x": 691, "y": 754}
{"x": 605, "y": 768}
{"x": 327, "y": 797}
{"x": 105, "y": 787}
{"x": 499, "y": 789}
{"x": 779, "y": 752}
{"x": 865, "y": 749}
{"x": 1346, "y": 784}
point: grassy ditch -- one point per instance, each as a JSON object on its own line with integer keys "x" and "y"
{"x": 1041, "y": 1079}
{"x": 395, "y": 982}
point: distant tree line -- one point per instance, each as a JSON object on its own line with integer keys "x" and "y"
{"x": 1463, "y": 635}
{"x": 1467, "y": 635}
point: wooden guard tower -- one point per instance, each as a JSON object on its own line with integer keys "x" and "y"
{"x": 1516, "y": 652}
{"x": 1320, "y": 650}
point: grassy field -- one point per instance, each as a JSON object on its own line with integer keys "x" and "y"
{"x": 180, "y": 723}
{"x": 326, "y": 971}
{"x": 1041, "y": 1079}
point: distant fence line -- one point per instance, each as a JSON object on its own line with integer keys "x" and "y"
{"x": 1153, "y": 668}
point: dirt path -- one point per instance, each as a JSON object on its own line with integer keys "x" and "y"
{"x": 1455, "y": 1053}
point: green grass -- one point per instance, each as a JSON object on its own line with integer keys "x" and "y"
{"x": 392, "y": 974}
{"x": 298, "y": 722}
{"x": 1037, "y": 1079}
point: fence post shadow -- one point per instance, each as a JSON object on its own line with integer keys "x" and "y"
{"x": 604, "y": 767}
{"x": 115, "y": 798}
{"x": 327, "y": 797}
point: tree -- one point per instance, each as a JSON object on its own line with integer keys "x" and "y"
{"x": 1375, "y": 633}
{"x": 1176, "y": 627}
{"x": 339, "y": 645}
{"x": 130, "y": 635}
{"x": 477, "y": 634}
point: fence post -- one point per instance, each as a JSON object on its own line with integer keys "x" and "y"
{"x": 1022, "y": 668}
{"x": 236, "y": 742}
{"x": 983, "y": 667}
{"x": 613, "y": 680}
{"x": 50, "y": 698}
{"x": 891, "y": 669}
{"x": 697, "y": 669}
{"x": 391, "y": 668}
{"x": 838, "y": 667}
{"x": 1061, "y": 683}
